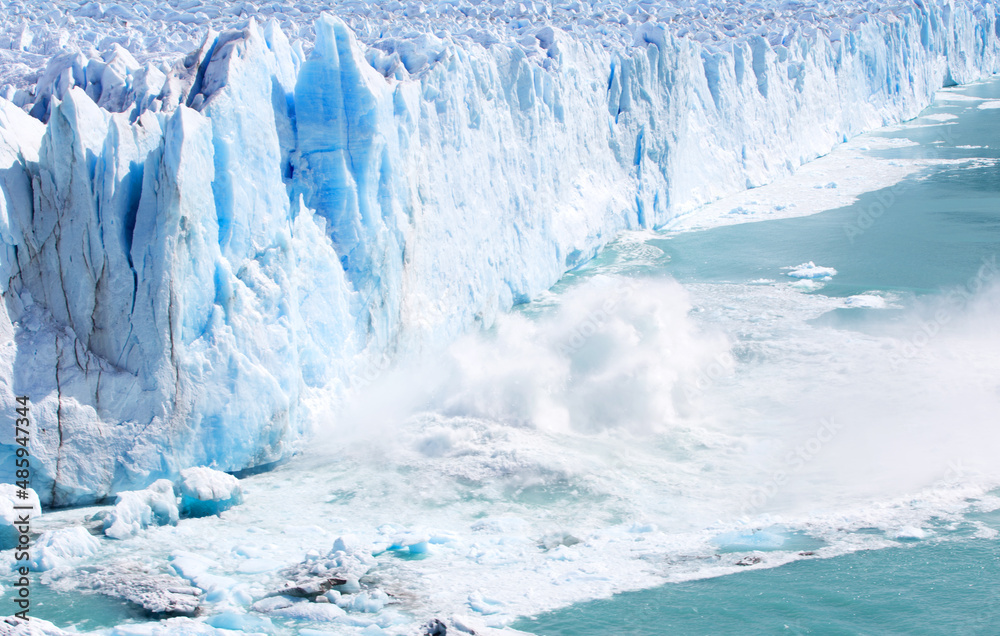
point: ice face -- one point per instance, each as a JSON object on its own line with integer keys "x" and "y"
{"x": 206, "y": 251}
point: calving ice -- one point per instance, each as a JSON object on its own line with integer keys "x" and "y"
{"x": 201, "y": 250}
{"x": 955, "y": 302}
{"x": 793, "y": 463}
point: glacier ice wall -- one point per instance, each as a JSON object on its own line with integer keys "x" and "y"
{"x": 199, "y": 262}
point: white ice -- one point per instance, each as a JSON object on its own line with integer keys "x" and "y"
{"x": 811, "y": 271}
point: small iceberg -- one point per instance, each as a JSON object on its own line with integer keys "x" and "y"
{"x": 136, "y": 510}
{"x": 811, "y": 271}
{"x": 754, "y": 540}
{"x": 205, "y": 491}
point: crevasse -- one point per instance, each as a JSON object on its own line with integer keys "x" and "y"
{"x": 198, "y": 269}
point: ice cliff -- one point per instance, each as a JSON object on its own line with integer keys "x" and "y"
{"x": 201, "y": 257}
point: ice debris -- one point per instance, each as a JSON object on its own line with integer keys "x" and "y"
{"x": 205, "y": 492}
{"x": 56, "y": 548}
{"x": 136, "y": 510}
{"x": 811, "y": 271}
{"x": 156, "y": 592}
{"x": 330, "y": 586}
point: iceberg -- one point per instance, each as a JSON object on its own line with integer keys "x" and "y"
{"x": 811, "y": 271}
{"x": 209, "y": 243}
{"x": 207, "y": 492}
{"x": 136, "y": 510}
{"x": 54, "y": 549}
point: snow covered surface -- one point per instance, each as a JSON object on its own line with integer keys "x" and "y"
{"x": 212, "y": 240}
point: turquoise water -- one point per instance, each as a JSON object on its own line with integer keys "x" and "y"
{"x": 935, "y": 234}
{"x": 928, "y": 236}
{"x": 82, "y": 610}
{"x": 925, "y": 234}
{"x": 948, "y": 587}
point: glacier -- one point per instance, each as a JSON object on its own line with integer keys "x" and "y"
{"x": 209, "y": 241}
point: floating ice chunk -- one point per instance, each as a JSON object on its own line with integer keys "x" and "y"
{"x": 950, "y": 96}
{"x": 141, "y": 585}
{"x": 563, "y": 553}
{"x": 273, "y": 603}
{"x": 750, "y": 559}
{"x": 9, "y": 514}
{"x": 420, "y": 547}
{"x": 138, "y": 509}
{"x": 330, "y": 576}
{"x": 412, "y": 543}
{"x": 306, "y": 611}
{"x": 992, "y": 104}
{"x": 351, "y": 586}
{"x": 53, "y": 549}
{"x": 484, "y": 605}
{"x": 806, "y": 285}
{"x": 468, "y": 624}
{"x": 870, "y": 301}
{"x": 811, "y": 271}
{"x": 241, "y": 622}
{"x": 206, "y": 492}
{"x": 195, "y": 568}
{"x": 911, "y": 533}
{"x": 347, "y": 544}
{"x": 368, "y": 601}
{"x": 942, "y": 116}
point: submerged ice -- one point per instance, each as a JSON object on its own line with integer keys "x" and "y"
{"x": 205, "y": 256}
